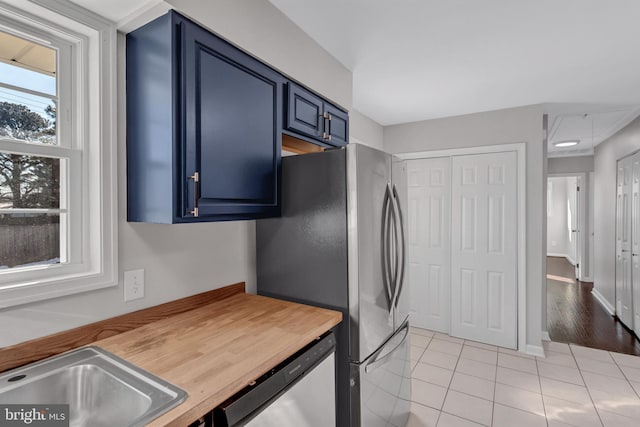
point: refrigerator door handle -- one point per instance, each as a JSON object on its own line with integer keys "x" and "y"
{"x": 402, "y": 246}
{"x": 385, "y": 246}
{"x": 395, "y": 252}
{"x": 375, "y": 360}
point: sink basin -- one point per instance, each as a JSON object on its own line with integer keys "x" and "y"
{"x": 102, "y": 390}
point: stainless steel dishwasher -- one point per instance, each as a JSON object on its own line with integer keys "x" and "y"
{"x": 300, "y": 392}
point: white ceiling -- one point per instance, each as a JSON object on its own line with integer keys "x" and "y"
{"x": 423, "y": 59}
{"x": 587, "y": 124}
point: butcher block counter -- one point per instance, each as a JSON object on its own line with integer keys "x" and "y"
{"x": 214, "y": 351}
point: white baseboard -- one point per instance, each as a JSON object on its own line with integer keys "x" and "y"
{"x": 603, "y": 302}
{"x": 535, "y": 350}
{"x": 558, "y": 255}
{"x": 545, "y": 336}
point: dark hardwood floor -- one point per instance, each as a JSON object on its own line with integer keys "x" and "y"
{"x": 574, "y": 315}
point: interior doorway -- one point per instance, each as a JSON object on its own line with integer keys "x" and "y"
{"x": 567, "y": 222}
{"x": 574, "y": 315}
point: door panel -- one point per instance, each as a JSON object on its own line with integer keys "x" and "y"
{"x": 399, "y": 181}
{"x": 635, "y": 241}
{"x": 337, "y": 126}
{"x": 429, "y": 258}
{"x": 484, "y": 250}
{"x": 368, "y": 177}
{"x": 469, "y": 223}
{"x": 232, "y": 116}
{"x": 246, "y": 160}
{"x": 496, "y": 220}
{"x": 495, "y": 310}
{"x": 468, "y": 292}
{"x": 624, "y": 297}
{"x": 382, "y": 395}
{"x": 304, "y": 112}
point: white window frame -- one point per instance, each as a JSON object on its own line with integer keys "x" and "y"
{"x": 90, "y": 149}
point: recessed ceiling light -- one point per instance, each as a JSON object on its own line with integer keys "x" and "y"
{"x": 563, "y": 144}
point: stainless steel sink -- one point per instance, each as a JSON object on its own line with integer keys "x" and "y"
{"x": 102, "y": 390}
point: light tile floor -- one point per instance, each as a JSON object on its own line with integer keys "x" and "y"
{"x": 459, "y": 383}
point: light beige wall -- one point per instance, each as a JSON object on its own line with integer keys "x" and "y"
{"x": 185, "y": 259}
{"x": 365, "y": 131}
{"x": 524, "y": 124}
{"x": 623, "y": 143}
{"x": 260, "y": 28}
{"x": 578, "y": 164}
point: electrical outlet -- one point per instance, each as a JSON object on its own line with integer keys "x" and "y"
{"x": 133, "y": 285}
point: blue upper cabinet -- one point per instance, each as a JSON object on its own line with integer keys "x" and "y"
{"x": 314, "y": 118}
{"x": 204, "y": 124}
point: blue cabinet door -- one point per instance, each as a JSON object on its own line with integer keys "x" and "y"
{"x": 337, "y": 125}
{"x": 304, "y": 112}
{"x": 314, "y": 118}
{"x": 231, "y": 121}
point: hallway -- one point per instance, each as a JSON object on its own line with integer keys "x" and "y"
{"x": 575, "y": 316}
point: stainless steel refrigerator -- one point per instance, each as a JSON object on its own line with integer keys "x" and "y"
{"x": 340, "y": 243}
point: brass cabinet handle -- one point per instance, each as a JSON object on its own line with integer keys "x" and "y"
{"x": 196, "y": 187}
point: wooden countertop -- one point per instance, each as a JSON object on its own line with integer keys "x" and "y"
{"x": 214, "y": 351}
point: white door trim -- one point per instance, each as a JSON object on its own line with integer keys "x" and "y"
{"x": 521, "y": 149}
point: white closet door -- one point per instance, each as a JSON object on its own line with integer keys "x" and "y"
{"x": 635, "y": 240}
{"x": 429, "y": 190}
{"x": 484, "y": 258}
{"x": 624, "y": 307}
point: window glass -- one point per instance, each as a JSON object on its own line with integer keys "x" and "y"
{"x": 30, "y": 187}
{"x": 26, "y": 64}
{"x": 27, "y": 90}
{"x": 29, "y": 182}
{"x": 27, "y": 117}
{"x": 28, "y": 239}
